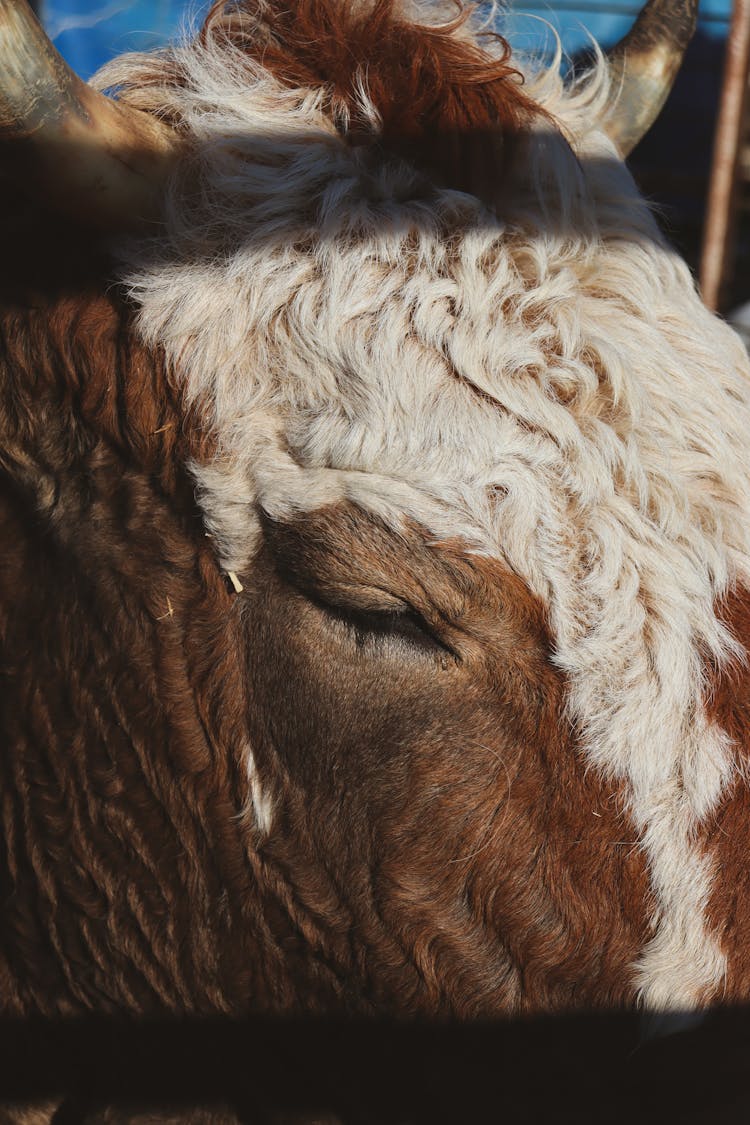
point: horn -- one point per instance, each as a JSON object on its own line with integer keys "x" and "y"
{"x": 644, "y": 65}
{"x": 95, "y": 160}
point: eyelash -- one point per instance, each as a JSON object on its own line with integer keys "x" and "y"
{"x": 367, "y": 625}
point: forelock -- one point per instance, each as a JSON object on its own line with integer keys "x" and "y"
{"x": 444, "y": 94}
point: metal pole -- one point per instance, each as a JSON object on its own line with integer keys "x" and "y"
{"x": 716, "y": 256}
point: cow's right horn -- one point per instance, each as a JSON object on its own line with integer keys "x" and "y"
{"x": 644, "y": 65}
{"x": 94, "y": 159}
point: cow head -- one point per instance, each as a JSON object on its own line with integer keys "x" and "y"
{"x": 471, "y": 453}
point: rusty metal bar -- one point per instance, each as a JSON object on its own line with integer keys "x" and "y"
{"x": 716, "y": 254}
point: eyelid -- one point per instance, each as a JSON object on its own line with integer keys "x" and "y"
{"x": 365, "y": 599}
{"x": 396, "y": 617}
{"x": 354, "y": 596}
{"x": 350, "y": 600}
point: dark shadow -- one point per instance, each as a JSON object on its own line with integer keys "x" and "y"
{"x": 48, "y": 254}
{"x": 44, "y": 254}
{"x": 581, "y": 1069}
{"x": 672, "y": 164}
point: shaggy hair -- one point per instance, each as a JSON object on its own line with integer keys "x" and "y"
{"x": 395, "y": 274}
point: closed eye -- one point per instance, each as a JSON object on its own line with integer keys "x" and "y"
{"x": 381, "y": 627}
{"x": 360, "y": 601}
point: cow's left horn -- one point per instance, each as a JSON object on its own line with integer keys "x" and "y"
{"x": 94, "y": 159}
{"x": 644, "y": 65}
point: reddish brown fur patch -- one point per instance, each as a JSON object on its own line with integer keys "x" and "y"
{"x": 444, "y": 103}
{"x": 127, "y": 878}
{"x": 438, "y": 845}
{"x": 471, "y": 859}
{"x": 728, "y": 831}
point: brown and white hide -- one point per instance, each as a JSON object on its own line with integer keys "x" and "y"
{"x": 376, "y": 546}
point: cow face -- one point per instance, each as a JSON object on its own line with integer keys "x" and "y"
{"x": 489, "y": 459}
{"x": 471, "y": 452}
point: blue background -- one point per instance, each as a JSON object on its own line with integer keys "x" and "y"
{"x": 89, "y": 32}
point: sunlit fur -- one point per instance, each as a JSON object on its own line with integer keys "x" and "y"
{"x": 530, "y": 369}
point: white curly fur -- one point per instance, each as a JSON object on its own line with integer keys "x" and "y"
{"x": 546, "y": 384}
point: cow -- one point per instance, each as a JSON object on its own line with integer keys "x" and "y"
{"x": 375, "y": 523}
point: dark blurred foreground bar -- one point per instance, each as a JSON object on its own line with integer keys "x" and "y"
{"x": 577, "y": 1070}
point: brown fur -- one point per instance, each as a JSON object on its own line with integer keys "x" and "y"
{"x": 727, "y": 833}
{"x": 438, "y": 846}
{"x": 471, "y": 856}
{"x": 118, "y": 680}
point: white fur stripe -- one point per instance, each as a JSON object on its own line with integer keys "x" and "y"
{"x": 258, "y": 809}
{"x": 682, "y": 965}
